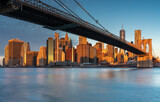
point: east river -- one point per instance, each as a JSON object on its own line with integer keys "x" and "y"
{"x": 79, "y": 85}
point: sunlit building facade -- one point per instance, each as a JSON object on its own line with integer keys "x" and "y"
{"x": 83, "y": 53}
{"x": 42, "y": 57}
{"x": 50, "y": 51}
{"x": 122, "y": 37}
{"x": 57, "y": 47}
{"x": 82, "y": 40}
{"x": 15, "y": 52}
{"x": 31, "y": 58}
{"x": 93, "y": 55}
{"x": 6, "y": 55}
{"x": 71, "y": 54}
{"x": 24, "y": 49}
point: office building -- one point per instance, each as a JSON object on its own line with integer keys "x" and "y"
{"x": 24, "y": 49}
{"x": 71, "y": 54}
{"x": 31, "y": 58}
{"x": 6, "y": 55}
{"x": 122, "y": 37}
{"x": 83, "y": 53}
{"x": 15, "y": 52}
{"x": 56, "y": 47}
{"x": 82, "y": 40}
{"x": 93, "y": 55}
{"x": 50, "y": 50}
{"x": 98, "y": 45}
{"x": 42, "y": 57}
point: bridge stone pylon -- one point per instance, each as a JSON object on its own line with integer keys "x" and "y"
{"x": 143, "y": 60}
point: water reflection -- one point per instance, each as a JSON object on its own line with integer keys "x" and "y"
{"x": 79, "y": 85}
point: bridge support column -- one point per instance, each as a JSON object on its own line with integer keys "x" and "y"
{"x": 144, "y": 61}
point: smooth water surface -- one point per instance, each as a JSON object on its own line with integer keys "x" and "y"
{"x": 79, "y": 85}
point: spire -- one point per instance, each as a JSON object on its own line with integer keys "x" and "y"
{"x": 69, "y": 39}
{"x": 122, "y": 25}
{"x": 66, "y": 37}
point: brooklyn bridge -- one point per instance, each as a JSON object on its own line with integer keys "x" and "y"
{"x": 50, "y": 17}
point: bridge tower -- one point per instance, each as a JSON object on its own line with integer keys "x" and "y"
{"x": 145, "y": 61}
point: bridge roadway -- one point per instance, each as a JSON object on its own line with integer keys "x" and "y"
{"x": 37, "y": 12}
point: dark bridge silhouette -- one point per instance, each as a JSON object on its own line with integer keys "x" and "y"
{"x": 37, "y": 12}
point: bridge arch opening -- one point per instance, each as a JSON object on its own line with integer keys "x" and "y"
{"x": 142, "y": 47}
{"x": 147, "y": 48}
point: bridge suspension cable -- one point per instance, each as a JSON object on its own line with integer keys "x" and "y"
{"x": 90, "y": 15}
{"x": 65, "y": 7}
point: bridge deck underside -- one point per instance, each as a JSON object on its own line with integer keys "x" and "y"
{"x": 51, "y": 21}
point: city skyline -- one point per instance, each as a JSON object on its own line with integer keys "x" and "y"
{"x": 113, "y": 21}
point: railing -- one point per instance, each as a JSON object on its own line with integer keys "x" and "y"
{"x": 39, "y": 4}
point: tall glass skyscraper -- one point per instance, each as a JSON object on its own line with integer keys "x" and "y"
{"x": 50, "y": 50}
{"x": 122, "y": 37}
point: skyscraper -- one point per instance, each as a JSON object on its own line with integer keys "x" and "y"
{"x": 31, "y": 58}
{"x": 62, "y": 43}
{"x": 61, "y": 55}
{"x": 70, "y": 54}
{"x": 66, "y": 39}
{"x": 122, "y": 37}
{"x": 6, "y": 55}
{"x": 50, "y": 50}
{"x": 25, "y": 47}
{"x": 70, "y": 43}
{"x": 93, "y": 55}
{"x": 82, "y": 40}
{"x": 110, "y": 52}
{"x": 56, "y": 47}
{"x": 42, "y": 57}
{"x": 98, "y": 45}
{"x": 137, "y": 36}
{"x": 15, "y": 52}
{"x": 83, "y": 53}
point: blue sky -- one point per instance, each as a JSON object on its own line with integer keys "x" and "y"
{"x": 134, "y": 14}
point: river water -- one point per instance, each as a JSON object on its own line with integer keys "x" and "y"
{"x": 79, "y": 85}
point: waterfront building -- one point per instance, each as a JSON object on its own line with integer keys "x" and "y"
{"x": 122, "y": 37}
{"x": 50, "y": 50}
{"x": 31, "y": 58}
{"x": 15, "y": 52}
{"x": 6, "y": 55}
{"x": 137, "y": 36}
{"x": 110, "y": 50}
{"x": 130, "y": 55}
{"x": 93, "y": 55}
{"x": 99, "y": 55}
{"x": 25, "y": 47}
{"x": 42, "y": 57}
{"x": 98, "y": 45}
{"x": 125, "y": 58}
{"x": 83, "y": 53}
{"x": 120, "y": 58}
{"x": 61, "y": 55}
{"x": 71, "y": 54}
{"x": 56, "y": 47}
{"x": 82, "y": 40}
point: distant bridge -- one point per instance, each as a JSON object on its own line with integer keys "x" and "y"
{"x": 35, "y": 11}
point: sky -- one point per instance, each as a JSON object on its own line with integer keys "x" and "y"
{"x": 133, "y": 14}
